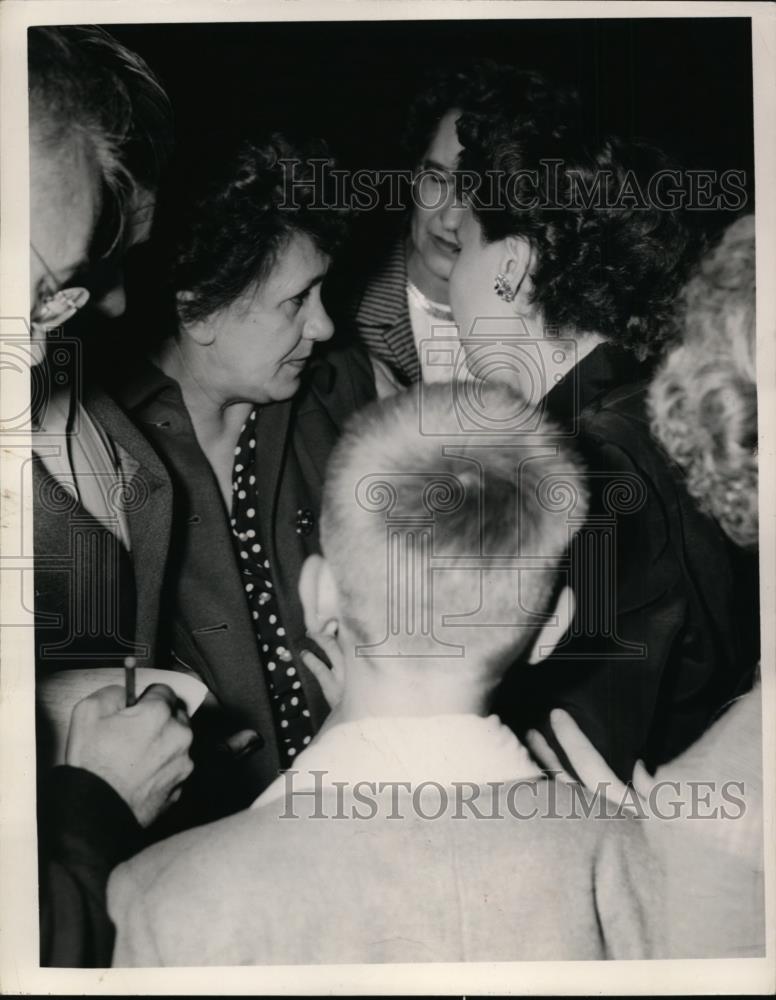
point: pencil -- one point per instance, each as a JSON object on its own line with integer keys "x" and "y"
{"x": 129, "y": 680}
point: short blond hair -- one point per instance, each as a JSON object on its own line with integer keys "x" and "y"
{"x": 494, "y": 503}
{"x": 703, "y": 399}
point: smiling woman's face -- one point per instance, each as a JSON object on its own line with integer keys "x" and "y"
{"x": 263, "y": 340}
{"x": 434, "y": 220}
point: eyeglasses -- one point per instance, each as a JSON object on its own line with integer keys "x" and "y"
{"x": 433, "y": 187}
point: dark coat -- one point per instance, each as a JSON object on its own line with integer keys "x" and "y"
{"x": 85, "y": 830}
{"x": 93, "y": 601}
{"x": 94, "y": 604}
{"x": 667, "y": 625}
{"x": 210, "y": 629}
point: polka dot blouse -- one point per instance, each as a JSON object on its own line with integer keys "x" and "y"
{"x": 293, "y": 724}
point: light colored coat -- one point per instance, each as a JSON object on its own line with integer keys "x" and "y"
{"x": 263, "y": 888}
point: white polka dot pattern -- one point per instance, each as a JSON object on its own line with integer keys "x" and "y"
{"x": 292, "y": 717}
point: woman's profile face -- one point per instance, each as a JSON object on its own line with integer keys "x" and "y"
{"x": 472, "y": 295}
{"x": 263, "y": 340}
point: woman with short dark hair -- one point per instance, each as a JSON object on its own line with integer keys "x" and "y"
{"x": 244, "y": 416}
{"x": 565, "y": 283}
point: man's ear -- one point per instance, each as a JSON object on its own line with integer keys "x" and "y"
{"x": 561, "y": 617}
{"x": 517, "y": 263}
{"x": 318, "y": 594}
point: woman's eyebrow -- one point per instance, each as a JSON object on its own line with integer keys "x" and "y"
{"x": 311, "y": 284}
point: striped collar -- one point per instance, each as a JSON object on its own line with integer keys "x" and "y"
{"x": 385, "y": 297}
{"x": 383, "y": 316}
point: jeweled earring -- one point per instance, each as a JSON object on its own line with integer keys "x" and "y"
{"x": 503, "y": 289}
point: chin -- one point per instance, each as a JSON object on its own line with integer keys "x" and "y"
{"x": 285, "y": 388}
{"x": 441, "y": 267}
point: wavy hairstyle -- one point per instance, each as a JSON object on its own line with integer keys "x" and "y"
{"x": 604, "y": 263}
{"x": 703, "y": 399}
{"x": 482, "y": 86}
{"x": 226, "y": 231}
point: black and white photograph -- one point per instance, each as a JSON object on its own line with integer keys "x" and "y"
{"x": 382, "y": 596}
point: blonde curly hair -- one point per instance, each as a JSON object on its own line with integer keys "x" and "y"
{"x": 703, "y": 399}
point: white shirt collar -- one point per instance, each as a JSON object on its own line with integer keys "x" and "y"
{"x": 441, "y": 748}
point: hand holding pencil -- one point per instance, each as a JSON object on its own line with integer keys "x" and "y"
{"x": 140, "y": 749}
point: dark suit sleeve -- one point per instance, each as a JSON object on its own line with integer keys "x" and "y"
{"x": 85, "y": 830}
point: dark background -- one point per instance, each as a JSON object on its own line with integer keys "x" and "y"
{"x": 683, "y": 83}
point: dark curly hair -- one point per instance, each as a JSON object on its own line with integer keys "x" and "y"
{"x": 479, "y": 87}
{"x": 604, "y": 264}
{"x": 225, "y": 232}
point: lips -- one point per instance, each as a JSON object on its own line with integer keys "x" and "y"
{"x": 445, "y": 246}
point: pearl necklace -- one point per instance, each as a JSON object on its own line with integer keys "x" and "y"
{"x": 436, "y": 309}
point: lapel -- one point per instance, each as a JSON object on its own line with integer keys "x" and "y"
{"x": 292, "y": 479}
{"x": 85, "y": 592}
{"x": 605, "y": 368}
{"x": 383, "y": 316}
{"x": 293, "y": 447}
{"x": 149, "y": 514}
{"x": 217, "y": 630}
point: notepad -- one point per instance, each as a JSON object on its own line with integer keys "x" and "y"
{"x": 59, "y": 693}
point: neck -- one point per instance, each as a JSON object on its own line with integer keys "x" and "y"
{"x": 585, "y": 342}
{"x": 432, "y": 286}
{"x": 415, "y": 688}
{"x": 212, "y": 412}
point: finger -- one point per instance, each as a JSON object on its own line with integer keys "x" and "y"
{"x": 173, "y": 772}
{"x": 160, "y": 692}
{"x": 328, "y": 684}
{"x": 182, "y": 768}
{"x": 329, "y": 644}
{"x": 177, "y": 737}
{"x": 546, "y": 756}
{"x": 242, "y": 741}
{"x": 106, "y": 700}
{"x": 583, "y": 756}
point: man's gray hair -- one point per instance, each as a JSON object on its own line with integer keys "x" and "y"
{"x": 87, "y": 88}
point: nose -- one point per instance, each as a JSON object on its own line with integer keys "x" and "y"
{"x": 451, "y": 214}
{"x": 319, "y": 326}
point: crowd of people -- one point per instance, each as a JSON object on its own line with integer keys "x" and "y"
{"x": 420, "y": 594}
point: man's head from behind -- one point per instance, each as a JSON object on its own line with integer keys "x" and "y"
{"x": 442, "y": 549}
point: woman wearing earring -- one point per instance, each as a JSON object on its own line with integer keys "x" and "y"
{"x": 565, "y": 282}
{"x": 244, "y": 416}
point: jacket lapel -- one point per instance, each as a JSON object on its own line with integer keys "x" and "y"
{"x": 149, "y": 514}
{"x": 383, "y": 317}
{"x": 207, "y": 584}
